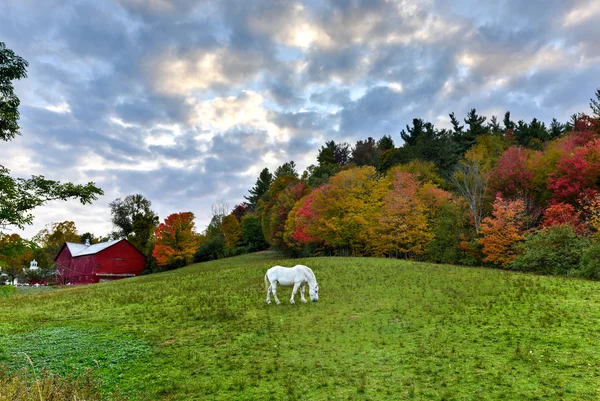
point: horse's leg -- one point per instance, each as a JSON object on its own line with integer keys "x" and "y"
{"x": 296, "y": 286}
{"x": 269, "y": 294}
{"x": 274, "y": 291}
{"x": 302, "y": 292}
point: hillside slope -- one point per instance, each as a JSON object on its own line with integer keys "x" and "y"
{"x": 383, "y": 329}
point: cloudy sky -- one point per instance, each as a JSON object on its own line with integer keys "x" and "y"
{"x": 186, "y": 101}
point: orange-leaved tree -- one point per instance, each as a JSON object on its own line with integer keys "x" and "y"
{"x": 402, "y": 226}
{"x": 176, "y": 242}
{"x": 503, "y": 231}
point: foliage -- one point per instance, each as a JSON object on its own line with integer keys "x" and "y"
{"x": 286, "y": 169}
{"x": 366, "y": 153}
{"x": 486, "y": 151}
{"x": 275, "y": 217}
{"x": 401, "y": 227}
{"x": 512, "y": 176}
{"x": 135, "y": 220}
{"x": 562, "y": 214}
{"x": 503, "y": 231}
{"x": 424, "y": 171}
{"x": 590, "y": 263}
{"x": 447, "y": 233}
{"x": 252, "y": 235}
{"x": 552, "y": 250}
{"x": 53, "y": 237}
{"x": 211, "y": 248}
{"x": 18, "y": 196}
{"x": 340, "y": 212}
{"x": 577, "y": 174}
{"x": 232, "y": 232}
{"x": 12, "y": 67}
{"x": 176, "y": 241}
{"x": 334, "y": 153}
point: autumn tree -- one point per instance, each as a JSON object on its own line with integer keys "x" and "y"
{"x": 232, "y": 232}
{"x": 15, "y": 254}
{"x": 577, "y": 174}
{"x": 401, "y": 228}
{"x": 562, "y": 214}
{"x": 340, "y": 212}
{"x": 176, "y": 241}
{"x": 512, "y": 176}
{"x": 52, "y": 238}
{"x": 503, "y": 231}
{"x": 274, "y": 217}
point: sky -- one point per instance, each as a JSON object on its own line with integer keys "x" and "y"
{"x": 185, "y": 102}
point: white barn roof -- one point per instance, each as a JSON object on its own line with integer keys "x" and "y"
{"x": 82, "y": 249}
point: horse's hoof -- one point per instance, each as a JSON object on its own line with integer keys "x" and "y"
{"x": 268, "y": 302}
{"x": 278, "y": 303}
{"x": 304, "y": 301}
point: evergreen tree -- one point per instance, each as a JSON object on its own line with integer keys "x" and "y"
{"x": 458, "y": 129}
{"x": 286, "y": 169}
{"x": 556, "y": 129}
{"x": 494, "y": 126}
{"x": 476, "y": 129}
{"x": 411, "y": 137}
{"x": 508, "y": 123}
{"x": 263, "y": 182}
{"x": 595, "y": 105}
{"x": 385, "y": 143}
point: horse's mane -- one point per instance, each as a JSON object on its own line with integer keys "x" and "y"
{"x": 311, "y": 275}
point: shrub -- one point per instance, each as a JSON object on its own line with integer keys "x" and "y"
{"x": 590, "y": 263}
{"x": 552, "y": 250}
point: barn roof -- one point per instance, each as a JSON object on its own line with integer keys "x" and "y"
{"x": 82, "y": 249}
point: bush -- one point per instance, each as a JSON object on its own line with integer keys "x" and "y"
{"x": 29, "y": 386}
{"x": 590, "y": 263}
{"x": 552, "y": 250}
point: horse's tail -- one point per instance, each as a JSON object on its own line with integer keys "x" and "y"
{"x": 267, "y": 284}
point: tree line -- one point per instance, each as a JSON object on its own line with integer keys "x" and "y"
{"x": 517, "y": 195}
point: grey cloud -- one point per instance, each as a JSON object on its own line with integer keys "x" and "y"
{"x": 334, "y": 96}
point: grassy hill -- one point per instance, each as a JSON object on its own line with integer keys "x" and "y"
{"x": 383, "y": 329}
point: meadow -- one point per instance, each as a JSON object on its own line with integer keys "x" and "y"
{"x": 383, "y": 329}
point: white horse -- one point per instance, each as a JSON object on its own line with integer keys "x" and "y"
{"x": 298, "y": 276}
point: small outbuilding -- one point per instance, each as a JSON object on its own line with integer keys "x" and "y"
{"x": 105, "y": 261}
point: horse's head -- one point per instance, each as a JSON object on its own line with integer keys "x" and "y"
{"x": 314, "y": 292}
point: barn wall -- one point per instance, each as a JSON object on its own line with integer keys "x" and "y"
{"x": 121, "y": 258}
{"x": 83, "y": 267}
{"x": 63, "y": 266}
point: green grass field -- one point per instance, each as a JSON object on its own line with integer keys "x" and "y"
{"x": 383, "y": 329}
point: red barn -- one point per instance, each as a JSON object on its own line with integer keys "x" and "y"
{"x": 105, "y": 261}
